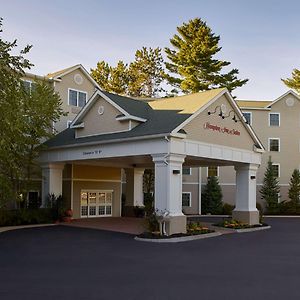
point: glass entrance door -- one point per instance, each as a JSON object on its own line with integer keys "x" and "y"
{"x": 96, "y": 203}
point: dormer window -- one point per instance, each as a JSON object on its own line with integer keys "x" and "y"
{"x": 77, "y": 98}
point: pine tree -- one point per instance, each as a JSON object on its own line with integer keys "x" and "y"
{"x": 294, "y": 190}
{"x": 193, "y": 61}
{"x": 119, "y": 78}
{"x": 146, "y": 73}
{"x": 294, "y": 82}
{"x": 270, "y": 189}
{"x": 101, "y": 75}
{"x": 211, "y": 197}
{"x": 142, "y": 78}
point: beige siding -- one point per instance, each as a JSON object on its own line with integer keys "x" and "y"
{"x": 195, "y": 129}
{"x": 194, "y": 190}
{"x": 67, "y": 82}
{"x": 94, "y": 123}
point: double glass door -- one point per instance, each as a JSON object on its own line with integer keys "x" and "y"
{"x": 96, "y": 203}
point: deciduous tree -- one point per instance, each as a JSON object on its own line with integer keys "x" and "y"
{"x": 26, "y": 120}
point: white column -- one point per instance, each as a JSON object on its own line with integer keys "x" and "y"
{"x": 199, "y": 189}
{"x": 134, "y": 189}
{"x": 138, "y": 193}
{"x": 168, "y": 190}
{"x": 51, "y": 180}
{"x": 245, "y": 198}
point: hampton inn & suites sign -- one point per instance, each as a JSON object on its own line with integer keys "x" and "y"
{"x": 225, "y": 130}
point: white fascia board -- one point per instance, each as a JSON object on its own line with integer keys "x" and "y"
{"x": 254, "y": 108}
{"x": 90, "y": 102}
{"x": 282, "y": 96}
{"x": 247, "y": 126}
{"x": 80, "y": 125}
{"x": 130, "y": 117}
{"x": 138, "y": 138}
{"x": 79, "y": 66}
{"x": 195, "y": 114}
{"x": 236, "y": 109}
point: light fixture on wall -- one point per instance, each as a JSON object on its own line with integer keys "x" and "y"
{"x": 234, "y": 118}
{"x": 220, "y": 114}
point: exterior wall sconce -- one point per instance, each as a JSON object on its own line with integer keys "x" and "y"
{"x": 220, "y": 114}
{"x": 234, "y": 118}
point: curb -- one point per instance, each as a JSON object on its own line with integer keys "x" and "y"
{"x": 9, "y": 228}
{"x": 252, "y": 229}
{"x": 180, "y": 239}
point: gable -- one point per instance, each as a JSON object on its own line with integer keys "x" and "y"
{"x": 101, "y": 119}
{"x": 214, "y": 129}
{"x": 287, "y": 102}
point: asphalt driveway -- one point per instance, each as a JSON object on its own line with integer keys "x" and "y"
{"x": 61, "y": 262}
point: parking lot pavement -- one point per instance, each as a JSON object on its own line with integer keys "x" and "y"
{"x": 63, "y": 262}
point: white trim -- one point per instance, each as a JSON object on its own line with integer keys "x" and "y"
{"x": 97, "y": 204}
{"x": 274, "y": 113}
{"x": 72, "y": 186}
{"x": 79, "y": 66}
{"x": 130, "y": 117}
{"x": 81, "y": 125}
{"x": 199, "y": 191}
{"x": 237, "y": 111}
{"x": 218, "y": 171}
{"x": 277, "y": 164}
{"x": 202, "y": 108}
{"x": 254, "y": 108}
{"x": 285, "y": 94}
{"x": 78, "y": 91}
{"x": 69, "y": 122}
{"x": 96, "y": 134}
{"x": 250, "y": 113}
{"x": 190, "y": 200}
{"x": 90, "y": 102}
{"x": 269, "y": 144}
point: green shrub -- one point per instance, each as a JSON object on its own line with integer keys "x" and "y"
{"x": 139, "y": 211}
{"x": 227, "y": 209}
{"x": 152, "y": 222}
{"x": 26, "y": 216}
{"x": 212, "y": 197}
{"x": 149, "y": 204}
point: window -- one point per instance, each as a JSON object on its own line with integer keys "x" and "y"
{"x": 248, "y": 117}
{"x": 186, "y": 171}
{"x": 212, "y": 171}
{"x": 276, "y": 168}
{"x": 274, "y": 144}
{"x": 274, "y": 119}
{"x": 77, "y": 98}
{"x": 186, "y": 199}
{"x": 28, "y": 85}
{"x": 278, "y": 198}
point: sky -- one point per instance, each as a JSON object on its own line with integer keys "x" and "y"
{"x": 258, "y": 37}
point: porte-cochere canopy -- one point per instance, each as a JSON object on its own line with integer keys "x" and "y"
{"x": 200, "y": 129}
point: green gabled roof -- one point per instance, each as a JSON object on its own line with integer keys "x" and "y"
{"x": 160, "y": 118}
{"x": 134, "y": 107}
